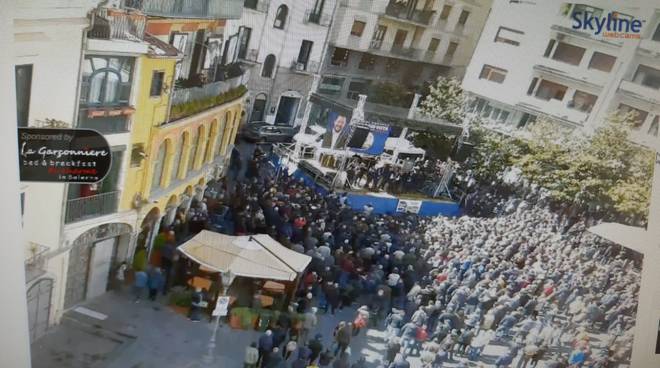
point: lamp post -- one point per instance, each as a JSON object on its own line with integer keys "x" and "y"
{"x": 226, "y": 278}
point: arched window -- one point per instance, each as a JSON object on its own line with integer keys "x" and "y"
{"x": 106, "y": 80}
{"x": 226, "y": 131}
{"x": 157, "y": 177}
{"x": 280, "y": 17}
{"x": 269, "y": 66}
{"x": 201, "y": 138}
{"x": 210, "y": 142}
{"x": 194, "y": 141}
{"x": 176, "y": 160}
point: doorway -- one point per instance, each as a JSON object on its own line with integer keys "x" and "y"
{"x": 287, "y": 110}
{"x": 101, "y": 259}
{"x": 258, "y": 108}
{"x": 400, "y": 38}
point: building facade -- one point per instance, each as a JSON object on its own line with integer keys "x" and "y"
{"x": 407, "y": 43}
{"x": 146, "y": 76}
{"x": 48, "y": 50}
{"x": 281, "y": 43}
{"x": 542, "y": 63}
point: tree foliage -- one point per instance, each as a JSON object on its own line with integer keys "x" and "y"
{"x": 604, "y": 171}
{"x": 445, "y": 101}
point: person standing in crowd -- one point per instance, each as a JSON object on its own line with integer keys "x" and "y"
{"x": 265, "y": 348}
{"x": 342, "y": 337}
{"x": 251, "y": 356}
{"x": 140, "y": 284}
{"x": 155, "y": 282}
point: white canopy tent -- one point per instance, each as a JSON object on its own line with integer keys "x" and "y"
{"x": 253, "y": 256}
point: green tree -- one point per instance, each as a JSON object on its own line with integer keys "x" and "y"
{"x": 445, "y": 101}
{"x": 604, "y": 170}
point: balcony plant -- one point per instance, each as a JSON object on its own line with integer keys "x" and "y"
{"x": 193, "y": 107}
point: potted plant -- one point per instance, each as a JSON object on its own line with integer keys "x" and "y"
{"x": 236, "y": 316}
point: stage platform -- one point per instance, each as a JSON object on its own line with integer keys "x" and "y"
{"x": 383, "y": 203}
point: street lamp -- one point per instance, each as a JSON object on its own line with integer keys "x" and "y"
{"x": 226, "y": 278}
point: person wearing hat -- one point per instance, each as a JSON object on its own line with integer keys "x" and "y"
{"x": 309, "y": 323}
{"x": 316, "y": 347}
{"x": 361, "y": 320}
{"x": 251, "y": 356}
{"x": 265, "y": 347}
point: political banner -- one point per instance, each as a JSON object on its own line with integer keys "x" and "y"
{"x": 369, "y": 138}
{"x": 408, "y": 206}
{"x": 337, "y": 126}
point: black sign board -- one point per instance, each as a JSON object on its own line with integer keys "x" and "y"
{"x": 63, "y": 155}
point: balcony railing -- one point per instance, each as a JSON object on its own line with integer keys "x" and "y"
{"x": 402, "y": 12}
{"x": 93, "y": 206}
{"x": 310, "y": 67}
{"x": 183, "y": 95}
{"x": 376, "y": 44}
{"x": 118, "y": 24}
{"x": 258, "y": 5}
{"x": 206, "y": 9}
{"x": 250, "y": 55}
{"x": 403, "y": 51}
{"x": 316, "y": 18}
{"x": 106, "y": 120}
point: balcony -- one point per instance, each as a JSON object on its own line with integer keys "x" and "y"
{"x": 650, "y": 46}
{"x": 204, "y": 9}
{"x": 306, "y": 68}
{"x": 106, "y": 120}
{"x": 407, "y": 52}
{"x": 572, "y": 73}
{"x": 257, "y": 5}
{"x": 183, "y": 95}
{"x": 193, "y": 100}
{"x": 250, "y": 56}
{"x": 312, "y": 17}
{"x": 90, "y": 207}
{"x": 400, "y": 12}
{"x": 370, "y": 6}
{"x": 640, "y": 92}
{"x": 376, "y": 44}
{"x": 118, "y": 25}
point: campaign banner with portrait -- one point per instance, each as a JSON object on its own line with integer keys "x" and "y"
{"x": 408, "y": 206}
{"x": 336, "y": 128}
{"x": 369, "y": 137}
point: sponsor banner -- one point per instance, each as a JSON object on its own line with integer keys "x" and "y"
{"x": 409, "y": 206}
{"x": 63, "y": 155}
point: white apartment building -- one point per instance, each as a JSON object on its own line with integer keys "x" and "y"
{"x": 48, "y": 47}
{"x": 407, "y": 42}
{"x": 532, "y": 62}
{"x": 282, "y": 43}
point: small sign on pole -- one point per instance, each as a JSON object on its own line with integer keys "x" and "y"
{"x": 221, "y": 306}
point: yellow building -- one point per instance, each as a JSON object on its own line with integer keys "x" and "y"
{"x": 185, "y": 122}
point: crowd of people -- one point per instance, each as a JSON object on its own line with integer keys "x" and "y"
{"x": 419, "y": 175}
{"x": 525, "y": 282}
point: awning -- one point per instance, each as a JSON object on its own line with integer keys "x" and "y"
{"x": 634, "y": 238}
{"x": 256, "y": 256}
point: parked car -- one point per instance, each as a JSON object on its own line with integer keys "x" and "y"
{"x": 260, "y": 131}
